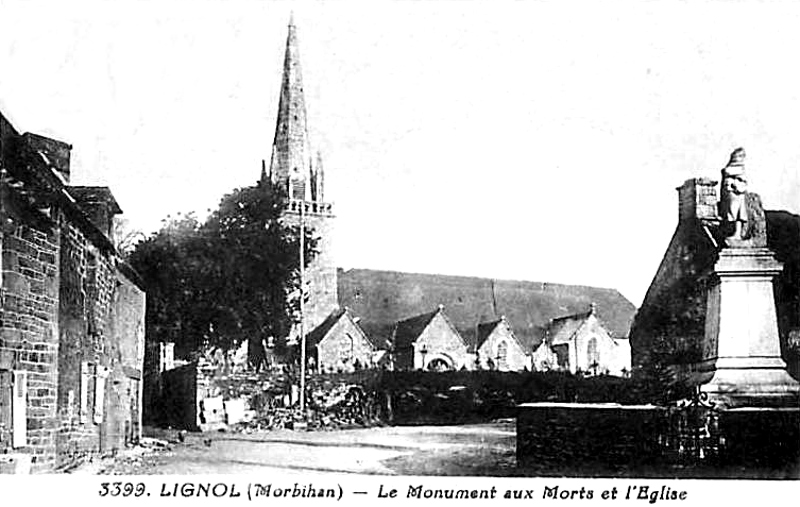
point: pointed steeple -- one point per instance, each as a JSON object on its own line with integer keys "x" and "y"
{"x": 291, "y": 152}
{"x": 319, "y": 179}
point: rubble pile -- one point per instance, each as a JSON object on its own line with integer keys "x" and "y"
{"x": 343, "y": 407}
{"x": 268, "y": 400}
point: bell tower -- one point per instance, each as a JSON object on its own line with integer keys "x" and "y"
{"x": 296, "y": 169}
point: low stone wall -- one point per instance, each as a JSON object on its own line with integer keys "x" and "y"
{"x": 400, "y": 398}
{"x": 590, "y": 439}
{"x": 557, "y": 439}
{"x": 766, "y": 438}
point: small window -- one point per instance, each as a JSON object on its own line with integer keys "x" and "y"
{"x": 19, "y": 410}
{"x": 346, "y": 351}
{"x": 593, "y": 355}
{"x": 502, "y": 356}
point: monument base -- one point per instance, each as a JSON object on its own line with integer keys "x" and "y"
{"x": 743, "y": 353}
{"x": 752, "y": 387}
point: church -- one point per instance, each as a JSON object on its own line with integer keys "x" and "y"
{"x": 354, "y": 317}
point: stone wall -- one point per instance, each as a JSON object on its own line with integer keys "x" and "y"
{"x": 442, "y": 343}
{"x": 101, "y": 350}
{"x": 612, "y": 356}
{"x": 607, "y": 440}
{"x": 588, "y": 439}
{"x": 77, "y": 347}
{"x": 71, "y": 323}
{"x": 29, "y": 330}
{"x": 126, "y": 353}
{"x": 344, "y": 348}
{"x": 515, "y": 359}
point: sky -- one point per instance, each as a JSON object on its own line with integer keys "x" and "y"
{"x": 519, "y": 140}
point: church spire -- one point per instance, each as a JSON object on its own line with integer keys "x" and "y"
{"x": 291, "y": 153}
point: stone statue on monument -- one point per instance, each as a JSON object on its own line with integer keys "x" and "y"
{"x": 733, "y": 208}
{"x": 743, "y": 220}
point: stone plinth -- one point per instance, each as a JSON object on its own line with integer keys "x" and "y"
{"x": 742, "y": 345}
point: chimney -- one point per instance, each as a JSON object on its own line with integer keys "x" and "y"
{"x": 697, "y": 199}
{"x": 54, "y": 154}
{"x": 98, "y": 204}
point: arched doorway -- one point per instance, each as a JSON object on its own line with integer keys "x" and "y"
{"x": 439, "y": 364}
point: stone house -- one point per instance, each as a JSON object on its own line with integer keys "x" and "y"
{"x": 582, "y": 343}
{"x": 430, "y": 342}
{"x": 499, "y": 349}
{"x": 72, "y": 313}
{"x": 339, "y": 344}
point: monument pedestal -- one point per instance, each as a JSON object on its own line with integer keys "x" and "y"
{"x": 742, "y": 343}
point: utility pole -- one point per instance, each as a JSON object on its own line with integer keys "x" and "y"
{"x": 302, "y": 305}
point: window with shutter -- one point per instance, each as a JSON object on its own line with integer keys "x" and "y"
{"x": 593, "y": 355}
{"x": 84, "y": 393}
{"x": 19, "y": 409}
{"x": 100, "y": 393}
{"x": 6, "y": 390}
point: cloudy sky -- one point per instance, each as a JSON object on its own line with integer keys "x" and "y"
{"x": 536, "y": 140}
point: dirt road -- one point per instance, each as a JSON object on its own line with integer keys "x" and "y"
{"x": 480, "y": 449}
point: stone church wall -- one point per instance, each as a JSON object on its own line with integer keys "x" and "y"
{"x": 344, "y": 349}
{"x": 443, "y": 343}
{"x": 321, "y": 273}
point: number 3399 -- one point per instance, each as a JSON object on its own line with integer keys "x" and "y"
{"x": 121, "y": 489}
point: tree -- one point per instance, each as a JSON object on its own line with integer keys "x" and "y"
{"x": 124, "y": 237}
{"x": 230, "y": 279}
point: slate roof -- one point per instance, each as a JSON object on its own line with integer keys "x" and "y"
{"x": 39, "y": 178}
{"x": 528, "y": 343}
{"x": 382, "y": 298}
{"x": 85, "y": 194}
{"x": 406, "y": 331}
{"x": 562, "y": 329}
{"x": 318, "y": 333}
{"x": 533, "y": 339}
{"x": 484, "y": 330}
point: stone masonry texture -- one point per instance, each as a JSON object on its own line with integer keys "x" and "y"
{"x": 72, "y": 314}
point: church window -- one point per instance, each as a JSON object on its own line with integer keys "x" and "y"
{"x": 593, "y": 355}
{"x": 346, "y": 352}
{"x": 502, "y": 356}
